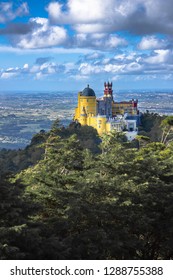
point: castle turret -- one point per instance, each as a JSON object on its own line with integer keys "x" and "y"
{"x": 134, "y": 106}
{"x": 83, "y": 117}
{"x": 108, "y": 98}
{"x": 108, "y": 90}
{"x": 86, "y": 105}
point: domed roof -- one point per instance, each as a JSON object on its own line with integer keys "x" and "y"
{"x": 88, "y": 92}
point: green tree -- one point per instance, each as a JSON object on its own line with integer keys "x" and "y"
{"x": 53, "y": 184}
{"x": 167, "y": 127}
{"x": 19, "y": 236}
{"x": 142, "y": 140}
{"x": 113, "y": 205}
{"x": 150, "y": 126}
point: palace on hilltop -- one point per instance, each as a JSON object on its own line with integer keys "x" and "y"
{"x": 105, "y": 114}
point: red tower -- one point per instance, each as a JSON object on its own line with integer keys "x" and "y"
{"x": 108, "y": 89}
{"x": 135, "y": 103}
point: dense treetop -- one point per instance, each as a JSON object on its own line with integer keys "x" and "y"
{"x": 83, "y": 197}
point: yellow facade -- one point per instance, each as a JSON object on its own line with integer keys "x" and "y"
{"x": 86, "y": 112}
{"x": 123, "y": 107}
{"x": 87, "y": 103}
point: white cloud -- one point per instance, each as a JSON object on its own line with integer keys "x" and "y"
{"x": 7, "y": 13}
{"x": 98, "y": 36}
{"x": 95, "y": 64}
{"x": 48, "y": 68}
{"x": 54, "y": 10}
{"x": 151, "y": 42}
{"x": 12, "y": 72}
{"x": 36, "y": 70}
{"x": 54, "y": 50}
{"x": 8, "y": 75}
{"x": 103, "y": 42}
{"x": 106, "y": 60}
{"x": 145, "y": 77}
{"x": 115, "y": 41}
{"x": 86, "y": 16}
{"x": 160, "y": 56}
{"x": 141, "y": 16}
{"x": 26, "y": 66}
{"x": 85, "y": 11}
{"x": 69, "y": 67}
{"x": 124, "y": 8}
{"x": 42, "y": 35}
{"x": 133, "y": 67}
{"x": 90, "y": 28}
{"x": 39, "y": 76}
{"x": 113, "y": 68}
{"x": 94, "y": 22}
{"x": 94, "y": 55}
{"x": 79, "y": 77}
{"x": 159, "y": 62}
{"x": 88, "y": 69}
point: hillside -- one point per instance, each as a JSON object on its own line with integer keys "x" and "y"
{"x": 76, "y": 197}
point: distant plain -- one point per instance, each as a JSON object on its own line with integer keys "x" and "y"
{"x": 23, "y": 114}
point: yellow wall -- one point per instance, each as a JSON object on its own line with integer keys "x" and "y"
{"x": 86, "y": 113}
{"x": 99, "y": 123}
{"x": 87, "y": 102}
{"x": 108, "y": 127}
{"x": 122, "y": 108}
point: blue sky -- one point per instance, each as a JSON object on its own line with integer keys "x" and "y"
{"x": 65, "y": 45}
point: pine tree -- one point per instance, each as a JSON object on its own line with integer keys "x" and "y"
{"x": 16, "y": 229}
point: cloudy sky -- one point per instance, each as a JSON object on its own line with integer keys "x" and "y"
{"x": 66, "y": 44}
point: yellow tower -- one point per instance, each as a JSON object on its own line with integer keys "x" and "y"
{"x": 101, "y": 124}
{"x": 86, "y": 104}
{"x": 86, "y": 111}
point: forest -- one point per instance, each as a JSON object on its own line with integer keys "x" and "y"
{"x": 74, "y": 195}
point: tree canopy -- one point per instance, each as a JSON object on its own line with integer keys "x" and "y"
{"x": 75, "y": 202}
